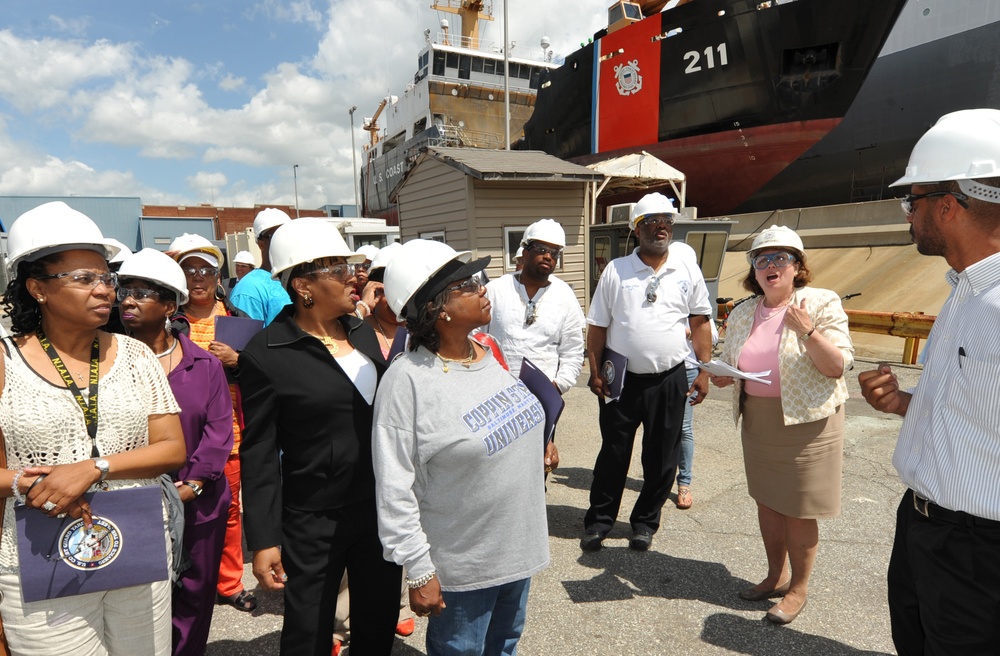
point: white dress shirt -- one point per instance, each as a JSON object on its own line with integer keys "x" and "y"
{"x": 553, "y": 342}
{"x": 949, "y": 446}
{"x": 651, "y": 335}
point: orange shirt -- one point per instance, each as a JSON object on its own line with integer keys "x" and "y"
{"x": 203, "y": 332}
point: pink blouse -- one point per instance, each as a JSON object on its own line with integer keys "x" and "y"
{"x": 760, "y": 352}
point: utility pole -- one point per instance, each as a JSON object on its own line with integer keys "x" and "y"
{"x": 295, "y": 179}
{"x": 354, "y": 162}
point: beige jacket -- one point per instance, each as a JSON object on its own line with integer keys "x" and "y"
{"x": 806, "y": 394}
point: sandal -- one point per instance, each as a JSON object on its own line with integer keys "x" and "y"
{"x": 243, "y": 600}
{"x": 684, "y": 500}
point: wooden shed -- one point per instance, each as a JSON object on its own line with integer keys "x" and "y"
{"x": 482, "y": 200}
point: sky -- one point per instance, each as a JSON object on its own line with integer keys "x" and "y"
{"x": 183, "y": 102}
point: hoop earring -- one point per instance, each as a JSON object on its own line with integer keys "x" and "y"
{"x": 308, "y": 302}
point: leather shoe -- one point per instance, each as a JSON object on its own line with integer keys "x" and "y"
{"x": 752, "y": 594}
{"x": 641, "y": 541}
{"x": 779, "y": 616}
{"x": 592, "y": 541}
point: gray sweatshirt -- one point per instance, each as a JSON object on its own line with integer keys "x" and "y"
{"x": 459, "y": 479}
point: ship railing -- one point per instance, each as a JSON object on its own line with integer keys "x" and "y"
{"x": 517, "y": 51}
{"x": 451, "y": 135}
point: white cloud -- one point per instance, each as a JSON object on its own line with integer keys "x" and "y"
{"x": 297, "y": 11}
{"x": 232, "y": 83}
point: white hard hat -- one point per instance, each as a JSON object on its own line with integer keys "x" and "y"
{"x": 269, "y": 218}
{"x": 547, "y": 230}
{"x": 52, "y": 228}
{"x": 775, "y": 237}
{"x": 961, "y": 146}
{"x": 421, "y": 269}
{"x": 368, "y": 251}
{"x": 376, "y": 270}
{"x": 123, "y": 251}
{"x": 520, "y": 253}
{"x": 188, "y": 245}
{"x": 306, "y": 240}
{"x": 655, "y": 203}
{"x": 244, "y": 257}
{"x": 150, "y": 264}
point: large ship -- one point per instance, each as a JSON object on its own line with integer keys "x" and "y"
{"x": 730, "y": 92}
{"x": 456, "y": 98}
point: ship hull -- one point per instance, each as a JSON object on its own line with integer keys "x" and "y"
{"x": 731, "y": 98}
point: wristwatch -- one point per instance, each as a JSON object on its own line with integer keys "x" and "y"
{"x": 104, "y": 466}
{"x": 805, "y": 338}
{"x": 197, "y": 489}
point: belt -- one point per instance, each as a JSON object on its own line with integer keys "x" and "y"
{"x": 656, "y": 376}
{"x": 931, "y": 510}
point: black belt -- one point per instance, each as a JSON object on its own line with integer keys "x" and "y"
{"x": 931, "y": 510}
{"x": 662, "y": 374}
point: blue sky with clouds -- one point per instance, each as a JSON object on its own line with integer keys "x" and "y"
{"x": 182, "y": 102}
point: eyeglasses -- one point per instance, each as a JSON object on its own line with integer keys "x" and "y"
{"x": 530, "y": 313}
{"x": 780, "y": 260}
{"x": 205, "y": 272}
{"x": 361, "y": 267}
{"x": 340, "y": 272}
{"x": 84, "y": 279}
{"x": 138, "y": 293}
{"x": 651, "y": 288}
{"x": 656, "y": 220}
{"x": 470, "y": 286}
{"x": 907, "y": 201}
{"x": 542, "y": 249}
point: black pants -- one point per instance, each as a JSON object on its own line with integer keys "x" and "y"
{"x": 944, "y": 584}
{"x": 656, "y": 402}
{"x": 317, "y": 547}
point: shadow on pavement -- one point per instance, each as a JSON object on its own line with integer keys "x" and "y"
{"x": 761, "y": 638}
{"x": 265, "y": 644}
{"x": 579, "y": 478}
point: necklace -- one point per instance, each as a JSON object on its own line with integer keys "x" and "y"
{"x": 381, "y": 330}
{"x": 168, "y": 351}
{"x": 328, "y": 341}
{"x": 465, "y": 362}
{"x": 764, "y": 317}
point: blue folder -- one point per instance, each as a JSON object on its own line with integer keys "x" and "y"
{"x": 546, "y": 393}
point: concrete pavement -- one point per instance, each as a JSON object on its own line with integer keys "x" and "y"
{"x": 680, "y": 597}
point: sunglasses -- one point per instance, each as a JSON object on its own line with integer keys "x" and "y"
{"x": 83, "y": 279}
{"x": 541, "y": 249}
{"x": 780, "y": 260}
{"x": 657, "y": 220}
{"x": 205, "y": 272}
{"x": 470, "y": 286}
{"x": 907, "y": 201}
{"x": 138, "y": 293}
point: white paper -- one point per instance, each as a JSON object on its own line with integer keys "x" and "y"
{"x": 719, "y": 368}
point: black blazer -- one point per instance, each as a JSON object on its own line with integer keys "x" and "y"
{"x": 299, "y": 403}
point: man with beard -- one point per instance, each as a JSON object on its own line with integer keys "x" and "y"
{"x": 535, "y": 314}
{"x": 641, "y": 309}
{"x": 943, "y": 572}
{"x": 256, "y": 293}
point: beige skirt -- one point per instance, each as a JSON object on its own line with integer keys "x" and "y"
{"x": 794, "y": 470}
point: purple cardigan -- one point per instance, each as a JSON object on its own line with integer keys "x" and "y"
{"x": 199, "y": 385}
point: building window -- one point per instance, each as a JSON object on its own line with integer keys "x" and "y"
{"x": 436, "y": 235}
{"x": 464, "y": 67}
{"x": 452, "y": 61}
{"x": 438, "y": 63}
{"x": 512, "y": 236}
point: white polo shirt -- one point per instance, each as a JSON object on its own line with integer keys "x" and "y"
{"x": 650, "y": 335}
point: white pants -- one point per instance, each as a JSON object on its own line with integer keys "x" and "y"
{"x": 125, "y": 622}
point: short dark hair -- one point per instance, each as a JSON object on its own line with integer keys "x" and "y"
{"x": 422, "y": 324}
{"x": 802, "y": 278}
{"x": 985, "y": 214}
{"x": 19, "y": 305}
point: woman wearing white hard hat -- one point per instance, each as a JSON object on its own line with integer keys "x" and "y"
{"x": 152, "y": 287}
{"x": 243, "y": 263}
{"x": 454, "y": 432}
{"x": 309, "y": 382}
{"x": 200, "y": 260}
{"x": 382, "y": 318}
{"x": 59, "y": 445}
{"x": 793, "y": 424}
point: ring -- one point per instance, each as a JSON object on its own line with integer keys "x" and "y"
{"x": 61, "y": 515}
{"x": 48, "y": 506}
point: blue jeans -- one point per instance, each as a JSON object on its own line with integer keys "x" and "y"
{"x": 484, "y": 622}
{"x": 687, "y": 438}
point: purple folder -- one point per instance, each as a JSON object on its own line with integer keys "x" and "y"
{"x": 235, "y": 332}
{"x": 613, "y": 366}
{"x": 552, "y": 401}
{"x": 126, "y": 546}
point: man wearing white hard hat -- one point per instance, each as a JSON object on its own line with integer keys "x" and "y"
{"x": 641, "y": 309}
{"x": 535, "y": 314}
{"x": 257, "y": 294}
{"x": 944, "y": 572}
{"x": 243, "y": 263}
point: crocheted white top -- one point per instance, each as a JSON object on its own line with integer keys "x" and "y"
{"x": 43, "y": 425}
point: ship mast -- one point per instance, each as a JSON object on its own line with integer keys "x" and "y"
{"x": 471, "y": 12}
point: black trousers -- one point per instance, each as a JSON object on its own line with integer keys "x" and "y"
{"x": 317, "y": 547}
{"x": 656, "y": 401}
{"x": 944, "y": 584}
